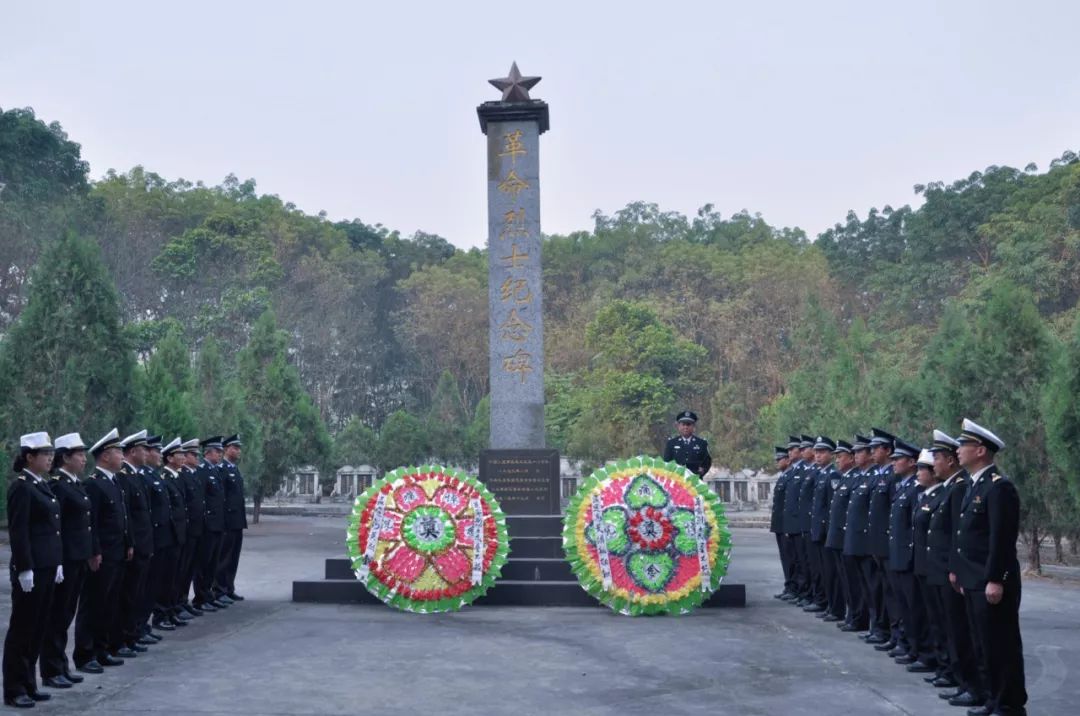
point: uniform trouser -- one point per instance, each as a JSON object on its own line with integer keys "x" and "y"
{"x": 934, "y": 648}
{"x": 893, "y": 608}
{"x": 801, "y": 574}
{"x": 26, "y": 631}
{"x": 835, "y": 583}
{"x": 814, "y": 567}
{"x": 96, "y": 619}
{"x": 206, "y": 566}
{"x": 186, "y": 567}
{"x": 65, "y": 600}
{"x": 130, "y": 618}
{"x": 874, "y": 583}
{"x": 857, "y": 612}
{"x": 231, "y": 542}
{"x": 997, "y": 631}
{"x": 160, "y": 588}
{"x": 785, "y": 562}
{"x": 959, "y": 642}
{"x": 902, "y": 586}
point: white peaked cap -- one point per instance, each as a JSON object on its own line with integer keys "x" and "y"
{"x": 71, "y": 441}
{"x": 35, "y": 441}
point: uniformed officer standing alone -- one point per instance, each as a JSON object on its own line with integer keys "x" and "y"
{"x": 688, "y": 449}
{"x": 235, "y": 522}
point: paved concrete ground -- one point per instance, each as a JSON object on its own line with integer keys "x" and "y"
{"x": 269, "y": 656}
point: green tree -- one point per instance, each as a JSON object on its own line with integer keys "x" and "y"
{"x": 402, "y": 441}
{"x": 288, "y": 427}
{"x": 1062, "y": 415}
{"x": 354, "y": 444}
{"x": 167, "y": 388}
{"x": 65, "y": 364}
{"x": 446, "y": 424}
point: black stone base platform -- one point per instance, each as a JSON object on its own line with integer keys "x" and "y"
{"x": 536, "y": 574}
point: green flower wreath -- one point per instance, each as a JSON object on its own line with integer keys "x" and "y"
{"x": 661, "y": 544}
{"x": 423, "y": 555}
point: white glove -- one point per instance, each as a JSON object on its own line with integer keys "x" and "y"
{"x": 26, "y": 580}
{"x": 59, "y": 573}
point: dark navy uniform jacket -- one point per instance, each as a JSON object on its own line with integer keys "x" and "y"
{"x": 838, "y": 509}
{"x": 76, "y": 528}
{"x": 235, "y": 514}
{"x": 140, "y": 526}
{"x": 177, "y": 507}
{"x": 987, "y": 531}
{"x": 925, "y": 502}
{"x": 901, "y": 535}
{"x": 940, "y": 533}
{"x": 34, "y": 524}
{"x": 806, "y": 497}
{"x": 857, "y": 524}
{"x": 776, "y": 519}
{"x": 109, "y": 517}
{"x": 160, "y": 508}
{"x": 194, "y": 502}
{"x": 826, "y": 481}
{"x": 692, "y": 453}
{"x": 881, "y": 492}
{"x": 791, "y": 522}
{"x": 214, "y": 492}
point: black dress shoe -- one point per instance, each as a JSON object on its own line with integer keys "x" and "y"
{"x": 56, "y": 682}
{"x": 944, "y": 682}
{"x": 946, "y": 695}
{"x": 180, "y": 622}
{"x": 180, "y": 616}
{"x": 138, "y": 648}
{"x": 965, "y": 699}
{"x": 922, "y": 668}
{"x": 235, "y": 597}
{"x": 980, "y": 711}
{"x": 788, "y": 598}
{"x": 22, "y": 701}
{"x": 192, "y": 610}
{"x": 91, "y": 667}
{"x": 218, "y": 604}
{"x": 39, "y": 696}
{"x": 164, "y": 626}
{"x": 832, "y": 618}
{"x": 74, "y": 678}
{"x": 125, "y": 653}
{"x": 883, "y": 645}
{"x": 145, "y": 641}
{"x": 109, "y": 660}
{"x": 849, "y": 627}
{"x": 223, "y": 599}
{"x": 814, "y": 608}
{"x": 205, "y": 607}
{"x": 907, "y": 660}
{"x": 898, "y": 651}
{"x": 154, "y": 637}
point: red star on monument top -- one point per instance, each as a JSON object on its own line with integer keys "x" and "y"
{"x": 515, "y": 88}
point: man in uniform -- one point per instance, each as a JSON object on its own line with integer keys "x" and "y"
{"x": 988, "y": 571}
{"x": 861, "y": 567}
{"x": 168, "y": 599}
{"x": 962, "y": 670}
{"x": 688, "y": 449}
{"x": 235, "y": 521}
{"x": 125, "y": 643}
{"x": 909, "y": 623}
{"x": 776, "y": 518}
{"x": 209, "y": 555}
{"x": 789, "y": 522}
{"x": 111, "y": 548}
{"x": 163, "y": 562}
{"x": 841, "y": 609}
{"x": 830, "y": 600}
{"x": 195, "y": 510}
{"x": 815, "y": 595}
{"x": 881, "y": 493}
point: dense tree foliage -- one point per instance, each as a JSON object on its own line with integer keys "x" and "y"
{"x": 963, "y": 304}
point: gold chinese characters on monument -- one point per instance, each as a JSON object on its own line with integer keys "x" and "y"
{"x": 515, "y": 290}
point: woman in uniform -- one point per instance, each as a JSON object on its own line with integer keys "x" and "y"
{"x": 33, "y": 515}
{"x": 68, "y": 467}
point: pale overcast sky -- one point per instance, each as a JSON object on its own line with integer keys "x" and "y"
{"x": 798, "y": 110}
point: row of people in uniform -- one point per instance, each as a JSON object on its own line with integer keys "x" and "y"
{"x": 914, "y": 551}
{"x": 117, "y": 552}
